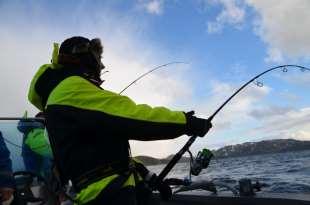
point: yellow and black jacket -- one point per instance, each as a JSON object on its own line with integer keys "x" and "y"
{"x": 90, "y": 126}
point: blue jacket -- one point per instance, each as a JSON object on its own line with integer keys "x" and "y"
{"x": 6, "y": 173}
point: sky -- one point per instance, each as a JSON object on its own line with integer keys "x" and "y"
{"x": 223, "y": 43}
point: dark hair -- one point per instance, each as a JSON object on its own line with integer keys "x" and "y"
{"x": 69, "y": 44}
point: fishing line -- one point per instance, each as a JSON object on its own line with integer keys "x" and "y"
{"x": 150, "y": 71}
{"x": 12, "y": 143}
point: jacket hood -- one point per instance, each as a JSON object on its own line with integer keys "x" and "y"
{"x": 33, "y": 96}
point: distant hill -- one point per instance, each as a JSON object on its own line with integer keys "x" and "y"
{"x": 149, "y": 160}
{"x": 245, "y": 149}
{"x": 262, "y": 147}
{"x": 154, "y": 161}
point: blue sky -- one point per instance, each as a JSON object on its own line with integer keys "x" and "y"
{"x": 223, "y": 42}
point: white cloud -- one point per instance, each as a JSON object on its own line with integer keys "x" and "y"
{"x": 274, "y": 55}
{"x": 155, "y": 7}
{"x": 231, "y": 14}
{"x": 289, "y": 96}
{"x": 293, "y": 124}
{"x": 152, "y": 6}
{"x": 214, "y": 27}
{"x": 159, "y": 149}
{"x": 284, "y": 26}
{"x": 298, "y": 78}
{"x": 270, "y": 111}
{"x": 301, "y": 135}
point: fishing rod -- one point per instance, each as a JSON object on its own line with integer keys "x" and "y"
{"x": 150, "y": 71}
{"x": 192, "y": 139}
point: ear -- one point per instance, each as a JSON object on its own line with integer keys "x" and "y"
{"x": 96, "y": 46}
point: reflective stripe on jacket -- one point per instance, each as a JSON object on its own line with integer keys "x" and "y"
{"x": 94, "y": 189}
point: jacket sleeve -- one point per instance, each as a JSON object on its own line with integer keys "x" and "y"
{"x": 118, "y": 113}
{"x": 38, "y": 142}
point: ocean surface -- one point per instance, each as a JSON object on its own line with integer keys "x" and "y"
{"x": 279, "y": 173}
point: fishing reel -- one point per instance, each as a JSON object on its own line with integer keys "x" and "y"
{"x": 32, "y": 188}
{"x": 201, "y": 161}
{"x": 197, "y": 164}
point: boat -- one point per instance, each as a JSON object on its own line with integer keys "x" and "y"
{"x": 190, "y": 196}
{"x": 32, "y": 193}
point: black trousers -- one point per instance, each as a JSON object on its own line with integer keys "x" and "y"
{"x": 124, "y": 196}
{"x": 139, "y": 195}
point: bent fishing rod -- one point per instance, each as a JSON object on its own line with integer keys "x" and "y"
{"x": 192, "y": 139}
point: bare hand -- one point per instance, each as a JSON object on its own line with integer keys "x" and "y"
{"x": 6, "y": 193}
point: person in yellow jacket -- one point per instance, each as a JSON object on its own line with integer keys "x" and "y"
{"x": 89, "y": 127}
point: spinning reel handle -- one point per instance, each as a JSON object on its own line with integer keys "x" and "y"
{"x": 201, "y": 161}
